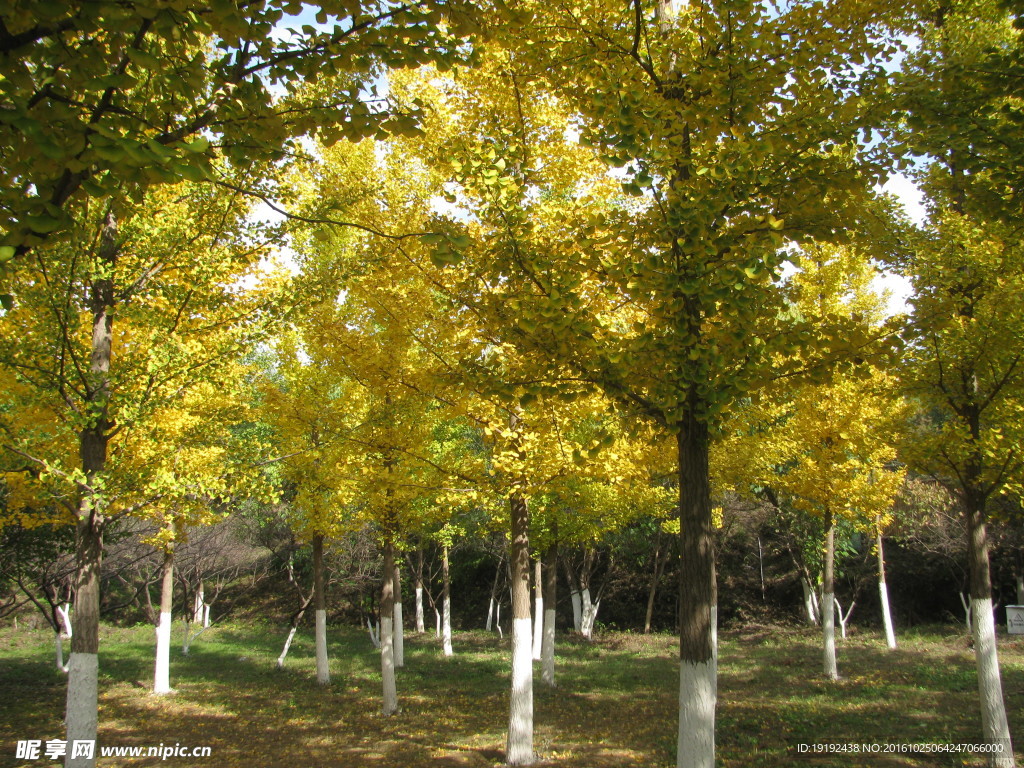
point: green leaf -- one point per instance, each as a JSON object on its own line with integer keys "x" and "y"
{"x": 42, "y": 224}
{"x": 199, "y": 145}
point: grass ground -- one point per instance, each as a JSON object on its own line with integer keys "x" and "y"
{"x": 615, "y": 704}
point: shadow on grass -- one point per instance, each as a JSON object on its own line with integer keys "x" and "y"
{"x": 615, "y": 704}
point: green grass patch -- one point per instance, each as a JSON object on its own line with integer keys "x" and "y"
{"x": 615, "y": 704}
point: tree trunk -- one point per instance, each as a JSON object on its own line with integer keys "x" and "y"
{"x": 323, "y": 671}
{"x": 83, "y": 667}
{"x": 492, "y": 604}
{"x": 698, "y": 675}
{"x": 199, "y": 611}
{"x": 399, "y": 625}
{"x": 162, "y": 676}
{"x": 550, "y": 601}
{"x": 538, "y": 608}
{"x": 446, "y": 604}
{"x": 812, "y": 614}
{"x": 574, "y": 596}
{"x": 63, "y": 630}
{"x": 659, "y": 564}
{"x": 883, "y": 593}
{"x": 588, "y": 613}
{"x": 421, "y": 626}
{"x": 387, "y": 633}
{"x": 296, "y": 619}
{"x": 995, "y": 729}
{"x": 827, "y": 606}
{"x": 520, "y": 724}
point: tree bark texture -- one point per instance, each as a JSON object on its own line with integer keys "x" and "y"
{"x": 323, "y": 671}
{"x": 550, "y": 602}
{"x": 446, "y": 604}
{"x": 83, "y": 667}
{"x": 399, "y": 625}
{"x": 387, "y": 633}
{"x": 162, "y": 675}
{"x": 698, "y": 673}
{"x": 828, "y": 605}
{"x": 520, "y": 726}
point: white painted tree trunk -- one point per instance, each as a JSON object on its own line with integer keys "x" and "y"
{"x": 296, "y": 619}
{"x": 828, "y": 627}
{"x": 446, "y": 627}
{"x": 399, "y": 636}
{"x": 374, "y": 633}
{"x": 547, "y": 654}
{"x": 59, "y": 651}
{"x": 538, "y": 610}
{"x": 695, "y": 740}
{"x": 520, "y": 724}
{"x": 421, "y": 625}
{"x": 843, "y": 617}
{"x": 198, "y": 608}
{"x": 387, "y": 666}
{"x": 287, "y": 645}
{"x": 810, "y": 611}
{"x": 64, "y": 614}
{"x": 492, "y": 604}
{"x": 490, "y": 615}
{"x": 577, "y": 610}
{"x": 883, "y": 592}
{"x": 446, "y": 605}
{"x": 828, "y": 601}
{"x": 323, "y": 669}
{"x": 1020, "y": 588}
{"x": 890, "y": 634}
{"x": 162, "y": 675}
{"x": 588, "y": 614}
{"x": 437, "y": 623}
{"x": 519, "y": 749}
{"x": 714, "y": 643}
{"x": 64, "y": 630}
{"x": 697, "y": 699}
{"x": 83, "y": 674}
{"x": 387, "y": 634}
{"x": 994, "y": 725}
{"x": 399, "y": 625}
{"x": 190, "y": 637}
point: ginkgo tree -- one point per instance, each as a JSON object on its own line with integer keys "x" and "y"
{"x": 364, "y": 330}
{"x": 192, "y": 463}
{"x": 963, "y": 372}
{"x": 838, "y": 461}
{"x": 734, "y": 127}
{"x": 111, "y": 328}
{"x": 840, "y": 469}
{"x": 311, "y": 412}
{"x": 963, "y": 366}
